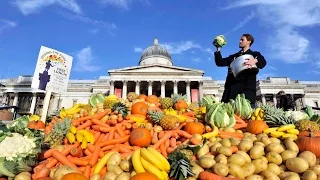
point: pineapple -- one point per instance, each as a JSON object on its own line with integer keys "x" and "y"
{"x": 275, "y": 117}
{"x": 176, "y": 97}
{"x": 121, "y": 108}
{"x": 180, "y": 164}
{"x": 166, "y": 121}
{"x": 59, "y": 131}
{"x": 306, "y": 125}
{"x": 166, "y": 103}
{"x": 132, "y": 96}
{"x": 194, "y": 106}
{"x": 108, "y": 103}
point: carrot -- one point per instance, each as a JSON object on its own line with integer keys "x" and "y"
{"x": 195, "y": 141}
{"x": 123, "y": 149}
{"x": 38, "y": 167}
{"x": 184, "y": 134}
{"x": 126, "y": 155}
{"x": 154, "y": 138}
{"x": 100, "y": 115}
{"x": 238, "y": 119}
{"x": 52, "y": 162}
{"x": 96, "y": 136}
{"x": 81, "y": 168}
{"x": 103, "y": 171}
{"x": 104, "y": 129}
{"x": 87, "y": 171}
{"x": 63, "y": 159}
{"x": 240, "y": 126}
{"x": 77, "y": 161}
{"x": 111, "y": 133}
{"x": 95, "y": 155}
{"x": 205, "y": 175}
{"x": 106, "y": 148}
{"x": 234, "y": 149}
{"x": 48, "y": 153}
{"x": 116, "y": 135}
{"x": 84, "y": 118}
{"x": 100, "y": 138}
{"x": 92, "y": 148}
{"x": 76, "y": 152}
{"x": 189, "y": 113}
{"x": 97, "y": 122}
{"x": 237, "y": 135}
{"x": 170, "y": 149}
{"x": 182, "y": 125}
{"x": 115, "y": 141}
{"x": 161, "y": 134}
{"x": 165, "y": 137}
{"x": 163, "y": 150}
{"x": 44, "y": 172}
{"x": 84, "y": 125}
{"x": 87, "y": 152}
{"x": 119, "y": 131}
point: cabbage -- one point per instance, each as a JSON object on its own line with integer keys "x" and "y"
{"x": 219, "y": 41}
{"x": 297, "y": 115}
{"x": 242, "y": 106}
{"x": 220, "y": 115}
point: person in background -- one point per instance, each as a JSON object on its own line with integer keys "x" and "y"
{"x": 286, "y": 102}
{"x": 247, "y": 83}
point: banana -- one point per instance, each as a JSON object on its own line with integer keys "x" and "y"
{"x": 62, "y": 113}
{"x": 290, "y": 136}
{"x": 71, "y": 137}
{"x": 79, "y": 137}
{"x": 91, "y": 138}
{"x": 165, "y": 175}
{"x": 136, "y": 162}
{"x": 84, "y": 144}
{"x": 269, "y": 130}
{"x": 258, "y": 118}
{"x": 151, "y": 168}
{"x": 76, "y": 106}
{"x": 256, "y": 112}
{"x": 160, "y": 157}
{"x": 293, "y": 131}
{"x": 211, "y": 134}
{"x": 73, "y": 129}
{"x": 286, "y": 127}
{"x": 276, "y": 134}
{"x": 69, "y": 112}
{"x": 85, "y": 134}
{"x": 253, "y": 118}
{"x": 150, "y": 158}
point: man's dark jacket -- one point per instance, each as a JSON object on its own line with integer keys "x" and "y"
{"x": 246, "y": 84}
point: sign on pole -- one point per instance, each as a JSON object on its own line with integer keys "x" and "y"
{"x": 51, "y": 74}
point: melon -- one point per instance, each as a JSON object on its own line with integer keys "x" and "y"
{"x": 97, "y": 98}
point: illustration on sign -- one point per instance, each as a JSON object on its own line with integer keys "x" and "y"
{"x": 52, "y": 71}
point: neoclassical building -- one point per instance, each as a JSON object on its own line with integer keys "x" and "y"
{"x": 154, "y": 74}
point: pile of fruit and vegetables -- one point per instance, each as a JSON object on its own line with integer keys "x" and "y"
{"x": 147, "y": 137}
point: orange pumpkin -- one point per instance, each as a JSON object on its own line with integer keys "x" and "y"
{"x": 307, "y": 133}
{"x": 142, "y": 96}
{"x": 152, "y": 99}
{"x": 44, "y": 178}
{"x": 73, "y": 176}
{"x": 140, "y": 137}
{"x": 144, "y": 176}
{"x": 194, "y": 128}
{"x": 37, "y": 125}
{"x": 309, "y": 143}
{"x": 180, "y": 104}
{"x": 139, "y": 108}
{"x": 256, "y": 127}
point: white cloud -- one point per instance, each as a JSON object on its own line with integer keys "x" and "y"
{"x": 32, "y": 6}
{"x": 196, "y": 60}
{"x": 284, "y": 18}
{"x": 84, "y": 61}
{"x": 242, "y": 23}
{"x": 93, "y": 31}
{"x": 138, "y": 49}
{"x": 180, "y": 47}
{"x": 122, "y": 4}
{"x": 266, "y": 75}
{"x": 5, "y": 24}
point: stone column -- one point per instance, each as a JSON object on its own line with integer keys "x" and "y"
{"x": 200, "y": 90}
{"x": 111, "y": 91}
{"x": 188, "y": 91}
{"x": 4, "y": 98}
{"x": 33, "y": 103}
{"x": 124, "y": 90}
{"x": 275, "y": 100}
{"x": 137, "y": 87}
{"x": 15, "y": 100}
{"x": 163, "y": 89}
{"x": 263, "y": 99}
{"x": 175, "y": 87}
{"x": 303, "y": 100}
{"x": 149, "y": 88}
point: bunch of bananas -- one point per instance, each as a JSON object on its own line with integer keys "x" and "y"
{"x": 82, "y": 136}
{"x": 152, "y": 161}
{"x": 173, "y": 112}
{"x": 257, "y": 114}
{"x": 284, "y": 131}
{"x": 70, "y": 112}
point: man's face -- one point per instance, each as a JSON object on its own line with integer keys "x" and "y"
{"x": 244, "y": 42}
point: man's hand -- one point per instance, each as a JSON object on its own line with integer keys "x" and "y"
{"x": 250, "y": 62}
{"x": 218, "y": 48}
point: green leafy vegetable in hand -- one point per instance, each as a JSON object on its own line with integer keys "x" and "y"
{"x": 219, "y": 41}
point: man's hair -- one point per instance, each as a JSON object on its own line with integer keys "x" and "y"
{"x": 249, "y": 37}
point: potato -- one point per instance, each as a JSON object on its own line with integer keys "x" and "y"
{"x": 275, "y": 140}
{"x": 260, "y": 165}
{"x": 289, "y": 175}
{"x": 225, "y": 151}
{"x": 245, "y": 155}
{"x": 260, "y": 136}
{"x": 316, "y": 169}
{"x": 283, "y": 167}
{"x": 265, "y": 140}
{"x": 52, "y": 171}
{"x": 95, "y": 177}
{"x": 309, "y": 157}
{"x": 235, "y": 142}
{"x": 225, "y": 142}
{"x": 236, "y": 171}
{"x": 237, "y": 159}
{"x": 221, "y": 169}
{"x": 197, "y": 137}
{"x": 221, "y": 159}
{"x": 245, "y": 145}
{"x": 110, "y": 176}
{"x": 125, "y": 165}
{"x": 259, "y": 143}
{"x": 275, "y": 147}
{"x": 123, "y": 176}
{"x": 297, "y": 165}
{"x": 253, "y": 137}
{"x": 256, "y": 152}
{"x": 215, "y": 147}
{"x": 254, "y": 177}
{"x": 290, "y": 145}
{"x": 274, "y": 157}
{"x": 208, "y": 156}
{"x": 61, "y": 171}
{"x": 191, "y": 178}
{"x": 309, "y": 175}
{"x": 133, "y": 173}
{"x": 23, "y": 176}
{"x": 114, "y": 159}
{"x": 264, "y": 159}
{"x": 206, "y": 162}
{"x": 269, "y": 175}
{"x": 274, "y": 168}
{"x": 114, "y": 168}
{"x": 196, "y": 169}
{"x": 287, "y": 154}
{"x": 318, "y": 161}
{"x": 229, "y": 130}
{"x": 248, "y": 169}
{"x": 213, "y": 139}
{"x": 246, "y": 134}
{"x": 203, "y": 150}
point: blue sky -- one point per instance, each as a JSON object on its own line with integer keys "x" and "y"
{"x": 108, "y": 34}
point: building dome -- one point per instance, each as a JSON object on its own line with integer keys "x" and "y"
{"x": 155, "y": 54}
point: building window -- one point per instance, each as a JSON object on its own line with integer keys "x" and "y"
{"x": 74, "y": 102}
{"x": 316, "y": 103}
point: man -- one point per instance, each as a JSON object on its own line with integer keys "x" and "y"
{"x": 285, "y": 102}
{"x": 247, "y": 83}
